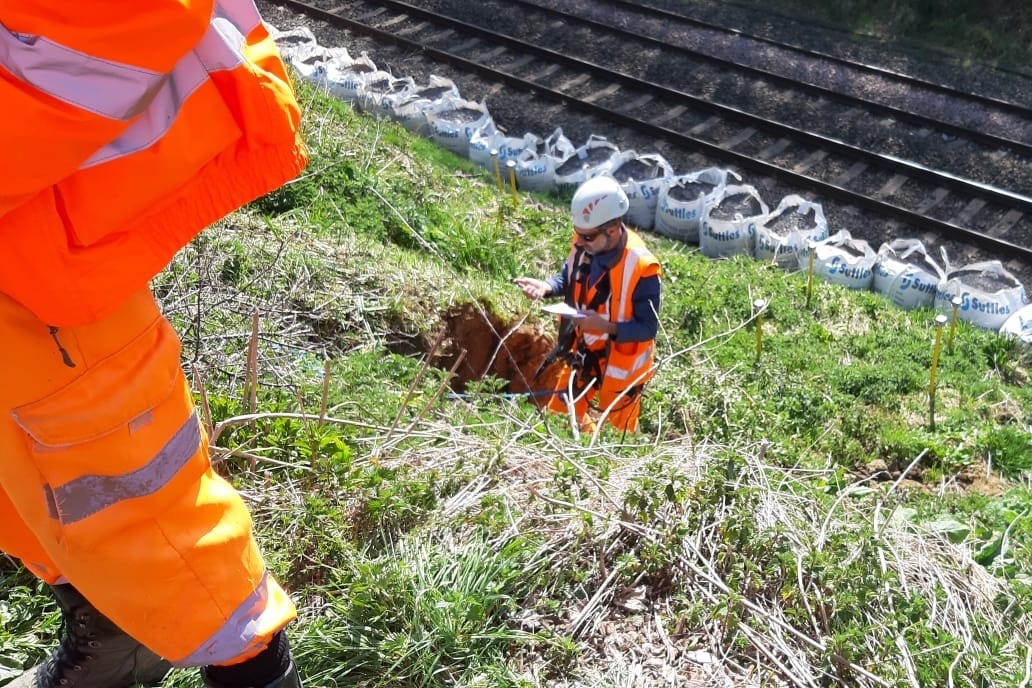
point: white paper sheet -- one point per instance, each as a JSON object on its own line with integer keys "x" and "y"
{"x": 563, "y": 309}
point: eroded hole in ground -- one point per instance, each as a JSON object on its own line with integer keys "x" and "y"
{"x": 493, "y": 349}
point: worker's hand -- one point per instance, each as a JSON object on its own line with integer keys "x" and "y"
{"x": 533, "y": 289}
{"x": 590, "y": 320}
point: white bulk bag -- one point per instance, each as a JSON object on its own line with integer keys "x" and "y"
{"x": 292, "y": 42}
{"x": 729, "y": 223}
{"x": 642, "y": 178}
{"x": 988, "y": 293}
{"x": 906, "y": 275}
{"x": 488, "y": 139}
{"x": 451, "y": 127}
{"x": 1019, "y": 325}
{"x": 683, "y": 198}
{"x": 535, "y": 169}
{"x": 783, "y": 234}
{"x": 302, "y": 51}
{"x": 590, "y": 160}
{"x": 297, "y": 44}
{"x": 435, "y": 95}
{"x": 841, "y": 259}
{"x": 379, "y": 96}
{"x": 345, "y": 79}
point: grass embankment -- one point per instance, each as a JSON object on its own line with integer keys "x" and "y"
{"x": 787, "y": 518}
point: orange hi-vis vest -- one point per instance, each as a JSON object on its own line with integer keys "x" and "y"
{"x": 627, "y": 364}
{"x": 126, "y": 128}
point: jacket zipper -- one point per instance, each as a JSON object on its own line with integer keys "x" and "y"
{"x": 64, "y": 352}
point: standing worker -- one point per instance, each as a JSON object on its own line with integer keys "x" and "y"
{"x": 613, "y": 280}
{"x": 126, "y": 128}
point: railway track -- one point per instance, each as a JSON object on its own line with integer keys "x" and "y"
{"x": 639, "y": 74}
{"x": 896, "y": 56}
{"x": 822, "y": 61}
{"x": 988, "y": 121}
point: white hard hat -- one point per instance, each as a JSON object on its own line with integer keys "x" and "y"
{"x": 597, "y": 201}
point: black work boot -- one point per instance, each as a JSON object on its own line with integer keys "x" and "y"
{"x": 289, "y": 679}
{"x": 94, "y": 653}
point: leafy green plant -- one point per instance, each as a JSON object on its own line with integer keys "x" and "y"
{"x": 28, "y": 622}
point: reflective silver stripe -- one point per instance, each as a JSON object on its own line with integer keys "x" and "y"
{"x": 637, "y": 364}
{"x": 89, "y": 494}
{"x": 630, "y": 265}
{"x": 106, "y": 88}
{"x": 221, "y": 48}
{"x": 617, "y": 373}
{"x": 241, "y": 13}
{"x": 236, "y": 635}
{"x": 122, "y": 92}
{"x": 642, "y": 359}
{"x": 159, "y": 116}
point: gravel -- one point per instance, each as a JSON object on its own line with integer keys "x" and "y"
{"x": 517, "y": 114}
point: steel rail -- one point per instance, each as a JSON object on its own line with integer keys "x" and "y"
{"x": 943, "y": 55}
{"x": 878, "y": 206}
{"x": 984, "y": 137}
{"x": 999, "y": 103}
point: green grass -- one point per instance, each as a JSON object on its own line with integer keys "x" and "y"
{"x": 793, "y": 510}
{"x": 424, "y": 608}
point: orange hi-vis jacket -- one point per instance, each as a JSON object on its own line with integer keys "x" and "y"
{"x": 624, "y": 364}
{"x": 126, "y": 128}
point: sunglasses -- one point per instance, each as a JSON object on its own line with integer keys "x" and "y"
{"x": 590, "y": 235}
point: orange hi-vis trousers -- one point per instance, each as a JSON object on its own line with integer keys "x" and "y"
{"x": 106, "y": 483}
{"x": 621, "y": 411}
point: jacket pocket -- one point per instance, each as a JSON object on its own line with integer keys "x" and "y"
{"x": 117, "y": 434}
